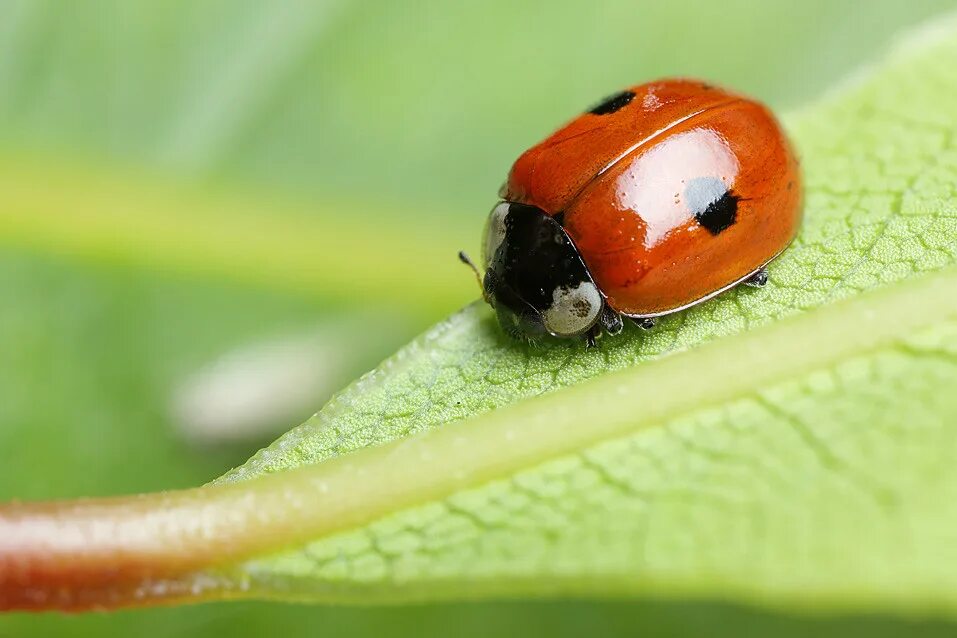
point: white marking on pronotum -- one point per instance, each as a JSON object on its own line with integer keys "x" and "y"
{"x": 573, "y": 310}
{"x": 494, "y": 231}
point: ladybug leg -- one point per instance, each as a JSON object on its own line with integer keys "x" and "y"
{"x": 758, "y": 279}
{"x": 645, "y": 324}
{"x": 591, "y": 336}
{"x": 611, "y": 321}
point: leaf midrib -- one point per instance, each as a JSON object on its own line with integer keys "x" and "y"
{"x": 289, "y": 508}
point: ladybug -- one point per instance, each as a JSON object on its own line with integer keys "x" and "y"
{"x": 657, "y": 199}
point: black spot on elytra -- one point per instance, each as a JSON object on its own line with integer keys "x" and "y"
{"x": 613, "y": 103}
{"x": 712, "y": 203}
{"x": 720, "y": 214}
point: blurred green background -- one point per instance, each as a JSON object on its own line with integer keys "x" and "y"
{"x": 389, "y": 122}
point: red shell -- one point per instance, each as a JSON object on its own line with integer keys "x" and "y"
{"x": 623, "y": 183}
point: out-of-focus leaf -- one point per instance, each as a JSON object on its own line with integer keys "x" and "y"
{"x": 340, "y": 252}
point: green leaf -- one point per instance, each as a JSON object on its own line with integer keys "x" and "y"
{"x": 89, "y": 353}
{"x": 746, "y": 469}
{"x": 298, "y": 574}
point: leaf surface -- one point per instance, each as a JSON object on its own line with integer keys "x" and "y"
{"x": 754, "y": 491}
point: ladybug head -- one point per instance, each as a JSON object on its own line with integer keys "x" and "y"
{"x": 535, "y": 278}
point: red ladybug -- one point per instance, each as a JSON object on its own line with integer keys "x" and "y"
{"x": 657, "y": 199}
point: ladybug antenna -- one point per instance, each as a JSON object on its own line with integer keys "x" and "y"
{"x": 465, "y": 259}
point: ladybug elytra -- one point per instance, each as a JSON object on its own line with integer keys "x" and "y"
{"x": 659, "y": 198}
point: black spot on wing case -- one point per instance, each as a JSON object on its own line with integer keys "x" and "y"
{"x": 714, "y": 206}
{"x": 612, "y": 103}
{"x": 720, "y": 214}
